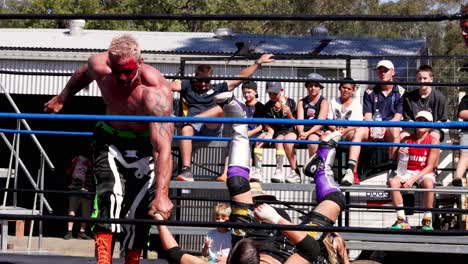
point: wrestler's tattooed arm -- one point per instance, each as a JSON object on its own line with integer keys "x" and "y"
{"x": 158, "y": 102}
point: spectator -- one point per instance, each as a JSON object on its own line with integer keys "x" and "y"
{"x": 279, "y": 106}
{"x": 218, "y": 241}
{"x": 387, "y": 99}
{"x": 255, "y": 109}
{"x": 426, "y": 98}
{"x": 463, "y": 161}
{"x": 463, "y": 114}
{"x": 197, "y": 96}
{"x": 420, "y": 170}
{"x": 345, "y": 107}
{"x": 313, "y": 106}
{"x": 80, "y": 174}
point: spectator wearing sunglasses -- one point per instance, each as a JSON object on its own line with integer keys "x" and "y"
{"x": 197, "y": 96}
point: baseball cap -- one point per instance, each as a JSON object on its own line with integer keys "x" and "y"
{"x": 250, "y": 85}
{"x": 257, "y": 192}
{"x": 424, "y": 114}
{"x": 385, "y": 63}
{"x": 317, "y": 77}
{"x": 273, "y": 87}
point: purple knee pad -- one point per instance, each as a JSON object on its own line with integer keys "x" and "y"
{"x": 236, "y": 171}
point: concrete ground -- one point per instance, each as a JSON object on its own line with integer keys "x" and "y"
{"x": 58, "y": 246}
{"x": 53, "y": 246}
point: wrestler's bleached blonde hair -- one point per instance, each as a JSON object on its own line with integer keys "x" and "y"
{"x": 124, "y": 46}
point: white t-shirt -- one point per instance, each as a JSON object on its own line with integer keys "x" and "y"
{"x": 220, "y": 245}
{"x": 352, "y": 112}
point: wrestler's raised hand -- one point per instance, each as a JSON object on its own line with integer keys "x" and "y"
{"x": 265, "y": 58}
{"x": 54, "y": 105}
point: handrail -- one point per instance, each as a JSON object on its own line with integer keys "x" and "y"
{"x": 21, "y": 164}
{"x": 25, "y": 123}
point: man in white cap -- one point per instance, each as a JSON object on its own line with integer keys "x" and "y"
{"x": 420, "y": 171}
{"x": 384, "y": 100}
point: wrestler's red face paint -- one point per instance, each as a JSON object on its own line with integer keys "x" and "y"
{"x": 125, "y": 70}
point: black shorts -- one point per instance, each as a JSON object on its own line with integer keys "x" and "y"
{"x": 284, "y": 131}
{"x": 123, "y": 166}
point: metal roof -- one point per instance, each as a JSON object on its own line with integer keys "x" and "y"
{"x": 183, "y": 42}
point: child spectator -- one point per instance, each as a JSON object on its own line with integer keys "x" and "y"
{"x": 218, "y": 241}
{"x": 279, "y": 106}
{"x": 255, "y": 109}
{"x": 420, "y": 170}
{"x": 313, "y": 106}
{"x": 426, "y": 98}
{"x": 345, "y": 107}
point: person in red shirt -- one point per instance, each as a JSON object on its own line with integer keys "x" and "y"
{"x": 420, "y": 170}
{"x": 80, "y": 174}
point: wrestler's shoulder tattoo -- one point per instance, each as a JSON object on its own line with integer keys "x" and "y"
{"x": 157, "y": 101}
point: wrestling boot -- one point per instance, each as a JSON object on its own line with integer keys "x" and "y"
{"x": 103, "y": 247}
{"x": 132, "y": 256}
{"x": 320, "y": 165}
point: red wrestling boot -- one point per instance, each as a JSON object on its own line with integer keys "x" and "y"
{"x": 133, "y": 256}
{"x": 103, "y": 247}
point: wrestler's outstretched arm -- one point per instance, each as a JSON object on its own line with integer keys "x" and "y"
{"x": 158, "y": 102}
{"x": 172, "y": 248}
{"x": 308, "y": 248}
{"x": 80, "y": 79}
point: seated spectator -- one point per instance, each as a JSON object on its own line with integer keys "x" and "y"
{"x": 279, "y": 106}
{"x": 463, "y": 161}
{"x": 80, "y": 180}
{"x": 420, "y": 170}
{"x": 218, "y": 241}
{"x": 345, "y": 107}
{"x": 313, "y": 106}
{"x": 197, "y": 96}
{"x": 385, "y": 99}
{"x": 255, "y": 109}
{"x": 426, "y": 98}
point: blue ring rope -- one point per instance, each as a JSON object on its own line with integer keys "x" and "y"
{"x": 206, "y": 138}
{"x": 231, "y": 120}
